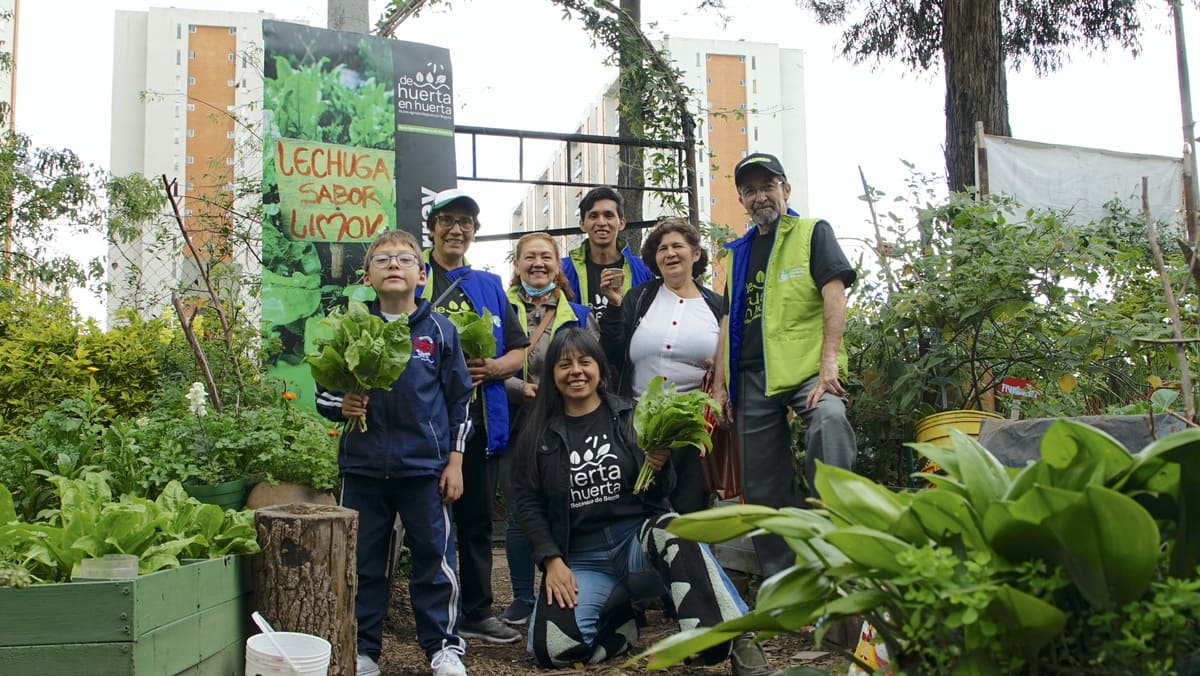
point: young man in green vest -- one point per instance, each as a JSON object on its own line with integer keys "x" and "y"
{"x": 602, "y": 268}
{"x": 781, "y": 345}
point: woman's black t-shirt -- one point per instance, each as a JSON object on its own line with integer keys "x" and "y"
{"x": 602, "y": 473}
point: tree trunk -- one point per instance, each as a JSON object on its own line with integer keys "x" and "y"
{"x": 630, "y": 123}
{"x": 976, "y": 89}
{"x": 306, "y": 579}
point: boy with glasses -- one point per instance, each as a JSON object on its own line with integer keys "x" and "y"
{"x": 453, "y": 286}
{"x": 781, "y": 345}
{"x": 408, "y": 462}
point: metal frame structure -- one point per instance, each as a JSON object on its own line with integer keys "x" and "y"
{"x": 683, "y": 151}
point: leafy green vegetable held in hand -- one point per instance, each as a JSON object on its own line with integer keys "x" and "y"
{"x": 475, "y": 333}
{"x": 361, "y": 352}
{"x": 665, "y": 418}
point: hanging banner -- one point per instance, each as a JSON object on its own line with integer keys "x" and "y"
{"x": 1080, "y": 181}
{"x": 358, "y": 135}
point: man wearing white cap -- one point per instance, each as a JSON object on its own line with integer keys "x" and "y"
{"x": 454, "y": 286}
{"x": 782, "y": 345}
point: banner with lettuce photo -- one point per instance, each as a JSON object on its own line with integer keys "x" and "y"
{"x": 358, "y": 136}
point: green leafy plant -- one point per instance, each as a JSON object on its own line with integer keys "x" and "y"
{"x": 67, "y": 440}
{"x": 51, "y": 355}
{"x": 91, "y": 523}
{"x": 1043, "y": 570}
{"x": 195, "y": 446}
{"x": 475, "y": 333}
{"x": 664, "y": 418}
{"x": 965, "y": 292}
{"x": 359, "y": 352}
{"x": 301, "y": 449}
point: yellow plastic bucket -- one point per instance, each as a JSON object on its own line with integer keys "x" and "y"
{"x": 935, "y": 429}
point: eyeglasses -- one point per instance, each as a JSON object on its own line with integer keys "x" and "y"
{"x": 403, "y": 260}
{"x": 447, "y": 222}
{"x": 750, "y": 191}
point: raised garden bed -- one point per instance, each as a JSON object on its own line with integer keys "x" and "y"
{"x": 193, "y": 619}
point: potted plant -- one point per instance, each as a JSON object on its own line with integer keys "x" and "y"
{"x": 1084, "y": 561}
{"x": 299, "y": 463}
{"x": 208, "y": 451}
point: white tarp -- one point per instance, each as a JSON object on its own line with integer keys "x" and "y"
{"x": 1082, "y": 180}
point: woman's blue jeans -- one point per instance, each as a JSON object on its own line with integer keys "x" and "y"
{"x": 623, "y": 562}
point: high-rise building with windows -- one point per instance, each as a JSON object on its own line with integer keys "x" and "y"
{"x": 9, "y": 20}
{"x": 749, "y": 97}
{"x": 9, "y": 15}
{"x": 187, "y": 92}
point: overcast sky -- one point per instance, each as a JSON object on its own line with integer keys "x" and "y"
{"x": 543, "y": 75}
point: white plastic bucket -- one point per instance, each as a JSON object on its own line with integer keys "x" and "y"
{"x": 310, "y": 655}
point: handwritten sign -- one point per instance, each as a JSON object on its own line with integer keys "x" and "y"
{"x": 334, "y": 193}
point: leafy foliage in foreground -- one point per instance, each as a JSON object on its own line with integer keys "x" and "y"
{"x": 1084, "y": 560}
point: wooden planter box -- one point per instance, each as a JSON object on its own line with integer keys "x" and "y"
{"x": 193, "y": 619}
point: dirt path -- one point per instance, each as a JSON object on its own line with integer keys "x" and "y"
{"x": 402, "y": 657}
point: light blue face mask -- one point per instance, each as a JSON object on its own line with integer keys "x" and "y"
{"x": 533, "y": 292}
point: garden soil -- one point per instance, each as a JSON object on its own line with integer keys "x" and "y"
{"x": 402, "y": 657}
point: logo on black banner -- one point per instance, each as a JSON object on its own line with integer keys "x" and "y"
{"x": 425, "y": 92}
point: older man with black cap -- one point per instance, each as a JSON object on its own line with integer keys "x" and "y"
{"x": 781, "y": 345}
{"x": 453, "y": 286}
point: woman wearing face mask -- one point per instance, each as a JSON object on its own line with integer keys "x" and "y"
{"x": 668, "y": 327}
{"x": 544, "y": 305}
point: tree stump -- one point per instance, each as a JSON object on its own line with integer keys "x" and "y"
{"x": 306, "y": 578}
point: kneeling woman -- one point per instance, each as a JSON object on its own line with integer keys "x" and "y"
{"x": 599, "y": 545}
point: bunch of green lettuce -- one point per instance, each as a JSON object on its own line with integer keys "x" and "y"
{"x": 358, "y": 352}
{"x": 665, "y": 418}
{"x": 475, "y": 333}
{"x": 91, "y": 522}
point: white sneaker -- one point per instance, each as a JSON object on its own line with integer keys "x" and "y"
{"x": 446, "y": 661}
{"x": 366, "y": 667}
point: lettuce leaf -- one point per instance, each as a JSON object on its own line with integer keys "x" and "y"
{"x": 91, "y": 522}
{"x": 664, "y": 418}
{"x": 475, "y": 333}
{"x": 359, "y": 351}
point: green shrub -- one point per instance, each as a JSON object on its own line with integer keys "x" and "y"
{"x": 51, "y": 356}
{"x": 963, "y": 292}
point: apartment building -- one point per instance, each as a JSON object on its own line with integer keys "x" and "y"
{"x": 9, "y": 14}
{"x": 749, "y": 96}
{"x": 187, "y": 93}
